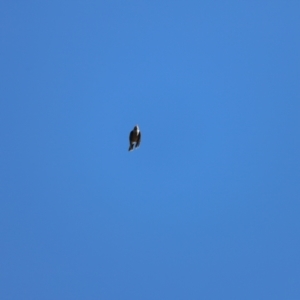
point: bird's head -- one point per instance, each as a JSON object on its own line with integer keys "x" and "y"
{"x": 136, "y": 128}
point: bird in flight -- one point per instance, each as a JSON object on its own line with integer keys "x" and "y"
{"x": 134, "y": 138}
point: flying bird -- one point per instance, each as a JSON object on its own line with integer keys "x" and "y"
{"x": 134, "y": 138}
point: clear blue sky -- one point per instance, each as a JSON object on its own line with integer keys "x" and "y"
{"x": 207, "y": 208}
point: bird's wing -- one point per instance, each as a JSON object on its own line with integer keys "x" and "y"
{"x": 131, "y": 136}
{"x": 139, "y": 138}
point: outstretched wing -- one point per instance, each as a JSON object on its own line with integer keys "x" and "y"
{"x": 139, "y": 138}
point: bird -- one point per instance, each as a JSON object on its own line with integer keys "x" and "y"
{"x": 134, "y": 138}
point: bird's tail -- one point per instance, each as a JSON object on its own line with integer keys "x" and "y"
{"x": 130, "y": 147}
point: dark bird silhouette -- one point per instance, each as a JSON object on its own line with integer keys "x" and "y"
{"x": 134, "y": 138}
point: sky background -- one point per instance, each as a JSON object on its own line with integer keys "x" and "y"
{"x": 207, "y": 208}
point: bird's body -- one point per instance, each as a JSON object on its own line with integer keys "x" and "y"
{"x": 134, "y": 138}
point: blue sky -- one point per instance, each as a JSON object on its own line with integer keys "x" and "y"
{"x": 207, "y": 208}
